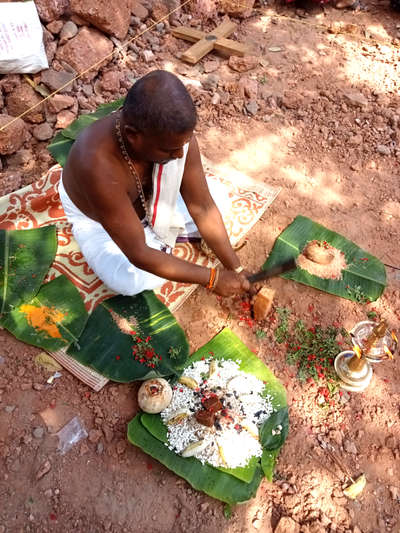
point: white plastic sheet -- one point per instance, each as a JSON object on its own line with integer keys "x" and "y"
{"x": 21, "y": 39}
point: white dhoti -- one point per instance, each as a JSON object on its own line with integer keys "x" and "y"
{"x": 108, "y": 261}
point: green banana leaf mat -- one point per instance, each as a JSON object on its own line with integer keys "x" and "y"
{"x": 364, "y": 278}
{"x": 25, "y": 258}
{"x": 228, "y": 485}
{"x": 129, "y": 338}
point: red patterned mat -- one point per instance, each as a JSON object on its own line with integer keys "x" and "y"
{"x": 39, "y": 205}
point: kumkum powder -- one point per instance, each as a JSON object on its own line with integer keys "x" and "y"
{"x": 43, "y": 319}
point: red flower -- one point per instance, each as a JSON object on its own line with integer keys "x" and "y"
{"x": 117, "y": 357}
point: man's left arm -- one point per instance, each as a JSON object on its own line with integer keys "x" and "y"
{"x": 203, "y": 210}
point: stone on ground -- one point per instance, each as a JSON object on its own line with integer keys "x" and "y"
{"x": 111, "y": 17}
{"x": 54, "y": 80}
{"x": 86, "y": 49}
{"x": 21, "y": 99}
{"x": 287, "y": 525}
{"x": 13, "y": 137}
{"x": 50, "y": 10}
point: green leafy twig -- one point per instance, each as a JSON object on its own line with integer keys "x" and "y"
{"x": 282, "y": 331}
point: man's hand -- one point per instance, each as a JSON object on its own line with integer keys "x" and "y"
{"x": 229, "y": 283}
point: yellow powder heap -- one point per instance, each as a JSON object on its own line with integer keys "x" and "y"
{"x": 43, "y": 319}
{"x": 326, "y": 265}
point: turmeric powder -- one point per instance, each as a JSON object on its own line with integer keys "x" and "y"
{"x": 43, "y": 319}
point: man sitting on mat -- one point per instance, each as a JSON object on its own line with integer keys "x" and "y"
{"x": 134, "y": 183}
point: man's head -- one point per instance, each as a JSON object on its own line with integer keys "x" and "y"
{"x": 159, "y": 117}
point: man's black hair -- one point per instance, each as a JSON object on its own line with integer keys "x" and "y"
{"x": 159, "y": 103}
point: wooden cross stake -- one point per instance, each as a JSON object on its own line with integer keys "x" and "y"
{"x": 209, "y": 41}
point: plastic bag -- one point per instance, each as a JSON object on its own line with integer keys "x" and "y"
{"x": 70, "y": 435}
{"x": 21, "y": 39}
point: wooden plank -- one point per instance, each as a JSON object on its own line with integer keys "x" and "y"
{"x": 230, "y": 47}
{"x": 224, "y": 29}
{"x": 197, "y": 51}
{"x": 189, "y": 34}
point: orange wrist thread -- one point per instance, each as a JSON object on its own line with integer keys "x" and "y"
{"x": 210, "y": 283}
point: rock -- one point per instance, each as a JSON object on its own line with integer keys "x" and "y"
{"x": 148, "y": 55}
{"x": 9, "y": 409}
{"x": 138, "y": 10}
{"x": 235, "y": 8}
{"x": 110, "y": 17}
{"x": 43, "y": 132}
{"x": 43, "y": 470}
{"x": 69, "y": 30}
{"x": 383, "y": 150}
{"x": 350, "y": 447}
{"x": 37, "y": 386}
{"x": 210, "y": 66}
{"x": 50, "y": 48}
{"x": 110, "y": 81}
{"x": 287, "y": 525}
{"x": 211, "y": 82}
{"x": 395, "y": 493}
{"x": 9, "y": 82}
{"x": 86, "y": 49}
{"x": 59, "y": 102}
{"x": 252, "y": 107}
{"x": 38, "y": 432}
{"x": 248, "y": 87}
{"x": 355, "y": 140}
{"x": 87, "y": 89}
{"x": 121, "y": 447}
{"x": 84, "y": 449}
{"x": 12, "y": 137}
{"x": 216, "y": 99}
{"x": 64, "y": 119}
{"x": 50, "y": 10}
{"x": 95, "y": 435}
{"x": 48, "y": 493}
{"x": 55, "y": 27}
{"x": 355, "y": 99}
{"x": 99, "y": 448}
{"x": 292, "y": 99}
{"x": 160, "y": 9}
{"x": 54, "y": 80}
{"x": 21, "y": 99}
{"x": 243, "y": 64}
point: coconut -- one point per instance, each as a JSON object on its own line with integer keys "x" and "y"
{"x": 317, "y": 252}
{"x": 322, "y": 260}
{"x": 154, "y": 395}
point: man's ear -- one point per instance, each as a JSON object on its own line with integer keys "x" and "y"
{"x": 132, "y": 133}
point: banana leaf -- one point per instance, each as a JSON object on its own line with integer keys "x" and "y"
{"x": 225, "y": 345}
{"x": 63, "y": 141}
{"x": 204, "y": 478}
{"x": 108, "y": 342}
{"x": 51, "y": 320}
{"x": 60, "y": 147}
{"x": 364, "y": 278}
{"x": 25, "y": 258}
